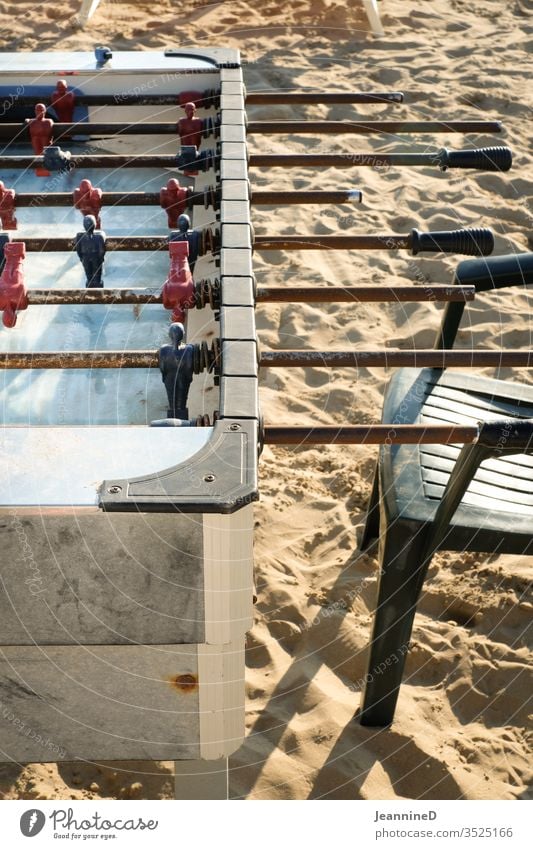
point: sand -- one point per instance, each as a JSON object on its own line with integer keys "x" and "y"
{"x": 461, "y": 726}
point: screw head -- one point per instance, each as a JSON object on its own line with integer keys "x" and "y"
{"x": 235, "y": 426}
{"x": 209, "y": 478}
{"x": 114, "y": 490}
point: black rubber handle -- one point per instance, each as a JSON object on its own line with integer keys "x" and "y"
{"x": 482, "y": 158}
{"x": 474, "y": 241}
{"x": 507, "y": 436}
{"x": 496, "y": 272}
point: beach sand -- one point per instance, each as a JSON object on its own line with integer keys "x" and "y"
{"x": 461, "y": 724}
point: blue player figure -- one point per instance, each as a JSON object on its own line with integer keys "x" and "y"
{"x": 184, "y": 233}
{"x": 90, "y": 247}
{"x": 176, "y": 364}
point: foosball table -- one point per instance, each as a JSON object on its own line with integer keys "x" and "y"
{"x": 132, "y": 428}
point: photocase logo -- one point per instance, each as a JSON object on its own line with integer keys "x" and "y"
{"x": 32, "y": 822}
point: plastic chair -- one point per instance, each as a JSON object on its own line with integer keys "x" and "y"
{"x": 372, "y": 13}
{"x": 87, "y": 10}
{"x": 431, "y": 497}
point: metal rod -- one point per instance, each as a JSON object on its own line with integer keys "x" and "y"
{"x": 252, "y": 97}
{"x": 259, "y": 198}
{"x": 279, "y": 359}
{"x": 93, "y": 128}
{"x": 480, "y": 159}
{"x": 257, "y": 160}
{"x": 273, "y": 294}
{"x": 37, "y": 200}
{"x": 113, "y": 243}
{"x": 80, "y": 359}
{"x": 115, "y": 128}
{"x": 378, "y": 434}
{"x": 341, "y": 160}
{"x": 113, "y": 99}
{"x": 362, "y": 294}
{"x": 103, "y": 160}
{"x": 267, "y": 243}
{"x": 263, "y": 98}
{"x": 343, "y": 243}
{"x": 55, "y": 297}
{"x": 396, "y": 359}
{"x": 360, "y": 128}
{"x": 283, "y": 243}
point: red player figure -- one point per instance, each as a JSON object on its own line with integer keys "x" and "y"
{"x": 41, "y": 130}
{"x": 13, "y": 295}
{"x": 190, "y": 128}
{"x": 63, "y": 102}
{"x": 178, "y": 291}
{"x": 173, "y": 199}
{"x": 7, "y": 208}
{"x": 88, "y": 200}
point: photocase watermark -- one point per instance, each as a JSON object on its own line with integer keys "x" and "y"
{"x": 420, "y": 278}
{"x": 26, "y": 730}
{"x": 505, "y": 433}
{"x": 415, "y": 396}
{"x": 54, "y": 182}
{"x": 138, "y": 90}
{"x": 69, "y": 341}
{"x": 32, "y": 822}
{"x": 343, "y": 604}
{"x": 90, "y": 824}
{"x": 343, "y": 221}
{"x": 10, "y": 100}
{"x": 376, "y": 671}
{"x": 34, "y": 578}
{"x": 369, "y": 159}
{"x": 50, "y": 186}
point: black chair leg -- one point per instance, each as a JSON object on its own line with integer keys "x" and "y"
{"x": 371, "y": 529}
{"x": 400, "y": 583}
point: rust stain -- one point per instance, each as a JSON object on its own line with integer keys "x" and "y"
{"x": 186, "y": 683}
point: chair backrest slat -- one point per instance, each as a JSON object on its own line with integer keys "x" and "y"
{"x": 506, "y": 436}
